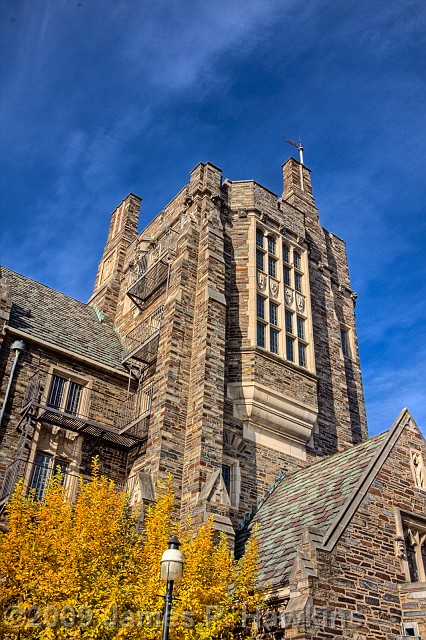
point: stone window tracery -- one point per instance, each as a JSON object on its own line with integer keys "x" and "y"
{"x": 282, "y": 316}
{"x": 415, "y": 550}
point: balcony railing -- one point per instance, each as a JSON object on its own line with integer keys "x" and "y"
{"x": 152, "y": 269}
{"x": 119, "y": 423}
{"x": 142, "y": 342}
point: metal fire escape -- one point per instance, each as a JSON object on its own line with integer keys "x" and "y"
{"x": 101, "y": 417}
{"x": 151, "y": 272}
{"x": 104, "y": 417}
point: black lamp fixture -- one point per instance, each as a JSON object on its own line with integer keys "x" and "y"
{"x": 171, "y": 572}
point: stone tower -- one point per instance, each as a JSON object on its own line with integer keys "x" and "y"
{"x": 237, "y": 318}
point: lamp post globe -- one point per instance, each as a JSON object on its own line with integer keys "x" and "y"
{"x": 171, "y": 572}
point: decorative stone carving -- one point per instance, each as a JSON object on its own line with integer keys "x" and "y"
{"x": 242, "y": 213}
{"x": 400, "y": 547}
{"x": 300, "y": 302}
{"x": 261, "y": 280}
{"x": 418, "y": 469}
{"x": 274, "y": 288}
{"x": 288, "y": 295}
{"x": 214, "y": 490}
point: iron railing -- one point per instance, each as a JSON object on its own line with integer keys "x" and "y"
{"x": 100, "y": 415}
{"x": 152, "y": 269}
{"x": 142, "y": 342}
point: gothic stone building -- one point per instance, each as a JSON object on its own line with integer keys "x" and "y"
{"x": 220, "y": 346}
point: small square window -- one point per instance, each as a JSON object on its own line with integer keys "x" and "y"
{"x": 260, "y": 334}
{"x": 286, "y": 253}
{"x": 287, "y": 277}
{"x": 302, "y": 354}
{"x": 296, "y": 259}
{"x": 289, "y": 343}
{"x": 289, "y": 322}
{"x": 344, "y": 339}
{"x": 300, "y": 328}
{"x": 260, "y": 260}
{"x": 260, "y": 306}
{"x": 259, "y": 238}
{"x": 271, "y": 245}
{"x": 298, "y": 281}
{"x": 273, "y": 340}
{"x": 272, "y": 267}
{"x": 273, "y": 313}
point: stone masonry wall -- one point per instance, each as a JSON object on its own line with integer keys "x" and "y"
{"x": 363, "y": 578}
{"x": 40, "y": 360}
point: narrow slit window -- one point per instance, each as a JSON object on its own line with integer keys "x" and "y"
{"x": 273, "y": 313}
{"x": 296, "y": 259}
{"x": 260, "y": 260}
{"x": 286, "y": 253}
{"x": 298, "y": 281}
{"x": 260, "y": 304}
{"x": 259, "y": 238}
{"x": 272, "y": 267}
{"x": 289, "y": 322}
{"x": 344, "y": 338}
{"x": 300, "y": 328}
{"x": 272, "y": 246}
{"x": 290, "y": 348}
{"x": 287, "y": 277}
{"x": 226, "y": 475}
{"x": 260, "y": 334}
{"x": 302, "y": 354}
{"x": 273, "y": 339}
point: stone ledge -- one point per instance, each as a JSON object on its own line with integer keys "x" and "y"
{"x": 259, "y": 406}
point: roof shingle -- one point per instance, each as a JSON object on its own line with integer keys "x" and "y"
{"x": 311, "y": 497}
{"x": 61, "y": 321}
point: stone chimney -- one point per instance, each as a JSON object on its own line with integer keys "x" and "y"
{"x": 122, "y": 232}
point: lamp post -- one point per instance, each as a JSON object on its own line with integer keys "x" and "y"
{"x": 171, "y": 572}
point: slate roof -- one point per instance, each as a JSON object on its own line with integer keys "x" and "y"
{"x": 312, "y": 497}
{"x": 62, "y": 321}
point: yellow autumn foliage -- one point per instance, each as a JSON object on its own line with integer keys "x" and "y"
{"x": 85, "y": 571}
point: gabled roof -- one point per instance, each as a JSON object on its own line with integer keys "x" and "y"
{"x": 318, "y": 497}
{"x": 63, "y": 322}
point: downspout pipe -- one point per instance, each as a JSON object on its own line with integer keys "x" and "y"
{"x": 19, "y": 347}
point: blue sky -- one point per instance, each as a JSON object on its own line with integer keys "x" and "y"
{"x": 102, "y": 98}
